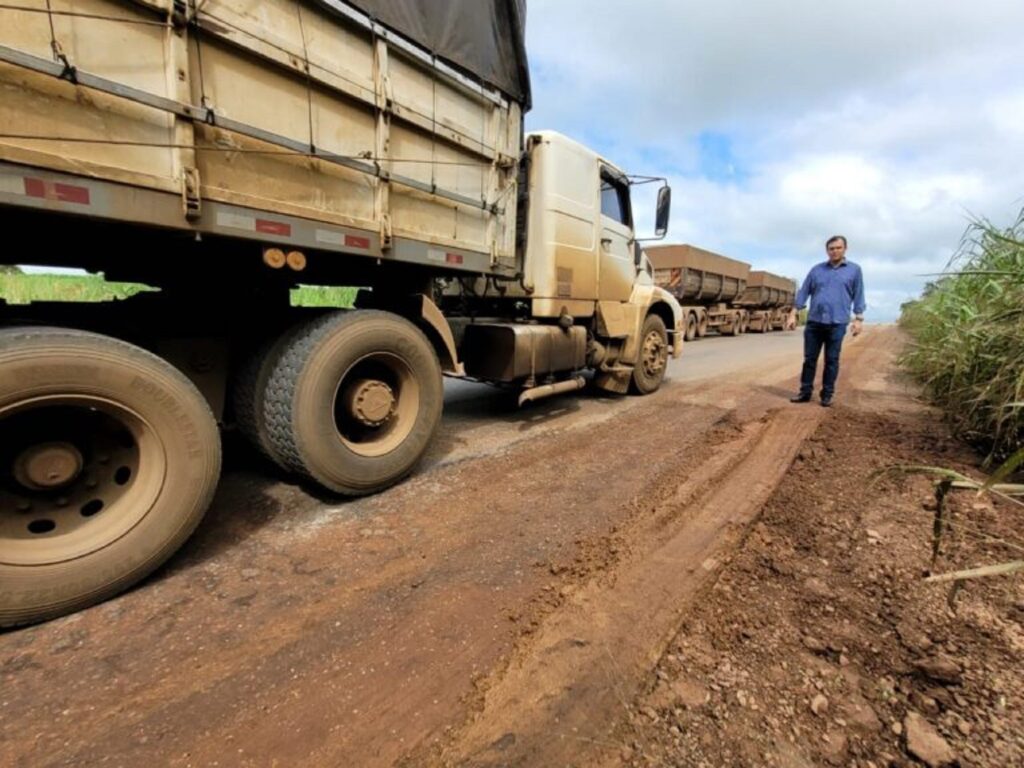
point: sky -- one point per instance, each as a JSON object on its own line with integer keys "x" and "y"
{"x": 782, "y": 122}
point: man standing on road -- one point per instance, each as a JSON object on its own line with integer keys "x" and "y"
{"x": 832, "y": 287}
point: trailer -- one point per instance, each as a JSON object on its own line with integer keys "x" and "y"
{"x": 721, "y": 294}
{"x": 223, "y": 151}
{"x": 706, "y": 284}
{"x": 768, "y": 300}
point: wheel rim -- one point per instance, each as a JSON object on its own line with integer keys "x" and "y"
{"x": 76, "y": 474}
{"x": 376, "y": 404}
{"x": 654, "y": 354}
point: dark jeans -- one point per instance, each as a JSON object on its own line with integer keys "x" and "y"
{"x": 816, "y": 336}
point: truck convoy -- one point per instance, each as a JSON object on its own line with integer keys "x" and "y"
{"x": 224, "y": 151}
{"x": 721, "y": 294}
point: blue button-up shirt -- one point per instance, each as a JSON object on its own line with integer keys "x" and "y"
{"x": 831, "y": 291}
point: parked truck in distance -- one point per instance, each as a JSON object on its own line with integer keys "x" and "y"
{"x": 224, "y": 151}
{"x": 721, "y": 294}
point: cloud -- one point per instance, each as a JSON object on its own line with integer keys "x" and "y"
{"x": 780, "y": 124}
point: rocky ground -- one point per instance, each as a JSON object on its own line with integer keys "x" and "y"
{"x": 820, "y": 644}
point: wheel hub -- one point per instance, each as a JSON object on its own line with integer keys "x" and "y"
{"x": 371, "y": 402}
{"x": 653, "y": 353}
{"x": 48, "y": 465}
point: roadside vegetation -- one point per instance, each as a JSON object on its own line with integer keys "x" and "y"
{"x": 17, "y": 287}
{"x": 967, "y": 349}
{"x": 967, "y": 335}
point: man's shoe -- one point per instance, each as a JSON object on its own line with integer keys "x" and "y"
{"x": 801, "y": 398}
{"x": 826, "y": 402}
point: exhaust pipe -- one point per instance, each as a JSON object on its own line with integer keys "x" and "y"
{"x": 547, "y": 390}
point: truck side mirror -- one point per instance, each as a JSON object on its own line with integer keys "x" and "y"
{"x": 664, "y": 204}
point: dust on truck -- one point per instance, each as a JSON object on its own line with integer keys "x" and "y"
{"x": 225, "y": 151}
{"x": 721, "y": 294}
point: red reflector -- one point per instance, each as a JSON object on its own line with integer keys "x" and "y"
{"x": 69, "y": 194}
{"x": 273, "y": 227}
{"x": 453, "y": 258}
{"x": 35, "y": 187}
{"x": 357, "y": 242}
{"x": 64, "y": 193}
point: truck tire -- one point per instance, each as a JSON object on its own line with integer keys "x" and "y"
{"x": 702, "y": 327}
{"x": 109, "y": 458}
{"x": 353, "y": 400}
{"x": 691, "y": 327}
{"x": 249, "y": 396}
{"x": 652, "y": 360}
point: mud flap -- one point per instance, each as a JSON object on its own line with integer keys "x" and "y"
{"x": 616, "y": 382}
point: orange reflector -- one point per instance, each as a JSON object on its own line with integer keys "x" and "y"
{"x": 274, "y": 258}
{"x": 297, "y": 260}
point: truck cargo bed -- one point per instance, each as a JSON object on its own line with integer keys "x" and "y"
{"x": 695, "y": 275}
{"x": 300, "y": 123}
{"x": 767, "y": 290}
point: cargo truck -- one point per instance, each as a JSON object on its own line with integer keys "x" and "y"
{"x": 721, "y": 294}
{"x": 223, "y": 151}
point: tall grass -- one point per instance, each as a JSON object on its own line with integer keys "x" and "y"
{"x": 967, "y": 334}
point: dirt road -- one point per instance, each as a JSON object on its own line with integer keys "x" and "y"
{"x": 497, "y": 608}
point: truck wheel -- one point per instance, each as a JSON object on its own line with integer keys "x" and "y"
{"x": 109, "y": 458}
{"x": 691, "y": 327}
{"x": 249, "y": 396}
{"x": 702, "y": 327}
{"x": 354, "y": 399}
{"x": 652, "y": 361}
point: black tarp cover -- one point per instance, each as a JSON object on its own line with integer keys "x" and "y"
{"x": 483, "y": 37}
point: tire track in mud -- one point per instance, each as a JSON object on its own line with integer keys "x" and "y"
{"x": 582, "y": 667}
{"x": 558, "y": 696}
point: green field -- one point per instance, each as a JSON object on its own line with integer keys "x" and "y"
{"x": 28, "y": 288}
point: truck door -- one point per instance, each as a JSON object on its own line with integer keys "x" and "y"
{"x": 616, "y": 270}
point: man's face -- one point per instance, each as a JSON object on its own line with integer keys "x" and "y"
{"x": 836, "y": 251}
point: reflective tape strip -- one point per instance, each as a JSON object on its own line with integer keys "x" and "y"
{"x": 12, "y": 185}
{"x": 444, "y": 257}
{"x": 30, "y": 186}
{"x": 236, "y": 221}
{"x": 254, "y": 224}
{"x": 270, "y": 227}
{"x": 328, "y": 237}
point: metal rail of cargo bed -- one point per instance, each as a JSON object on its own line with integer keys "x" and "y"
{"x": 29, "y": 187}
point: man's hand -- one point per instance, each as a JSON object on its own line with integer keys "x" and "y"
{"x": 791, "y": 320}
{"x": 856, "y": 327}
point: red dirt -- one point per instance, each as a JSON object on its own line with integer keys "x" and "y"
{"x": 525, "y": 607}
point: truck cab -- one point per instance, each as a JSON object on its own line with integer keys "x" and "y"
{"x": 582, "y": 265}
